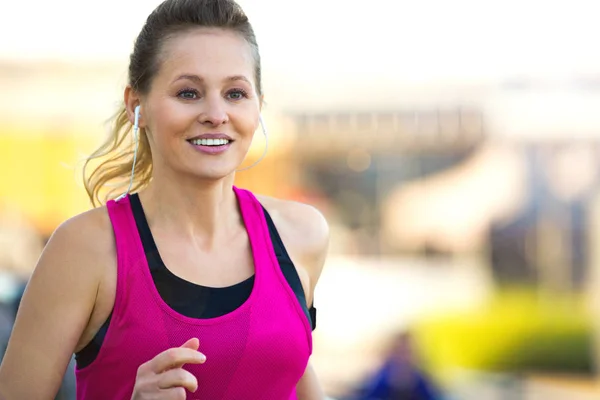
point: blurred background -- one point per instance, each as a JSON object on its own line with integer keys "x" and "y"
{"x": 454, "y": 147}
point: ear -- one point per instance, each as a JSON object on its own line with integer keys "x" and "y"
{"x": 132, "y": 100}
{"x": 261, "y": 101}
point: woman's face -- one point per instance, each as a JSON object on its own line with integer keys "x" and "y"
{"x": 202, "y": 108}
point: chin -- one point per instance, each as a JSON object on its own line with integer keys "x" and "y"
{"x": 212, "y": 174}
{"x": 209, "y": 169}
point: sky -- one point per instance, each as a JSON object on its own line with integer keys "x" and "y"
{"x": 338, "y": 54}
{"x": 338, "y": 39}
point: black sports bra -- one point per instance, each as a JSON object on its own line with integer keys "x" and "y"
{"x": 193, "y": 300}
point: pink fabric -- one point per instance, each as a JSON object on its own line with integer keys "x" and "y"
{"x": 257, "y": 352}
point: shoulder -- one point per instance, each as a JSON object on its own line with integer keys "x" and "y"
{"x": 90, "y": 231}
{"x": 79, "y": 259}
{"x": 304, "y": 231}
{"x": 83, "y": 240}
{"x": 304, "y": 222}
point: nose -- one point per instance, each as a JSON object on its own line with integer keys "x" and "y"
{"x": 214, "y": 111}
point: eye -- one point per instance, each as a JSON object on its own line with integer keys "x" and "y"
{"x": 188, "y": 94}
{"x": 237, "y": 94}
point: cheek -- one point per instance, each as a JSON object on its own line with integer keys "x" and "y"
{"x": 247, "y": 125}
{"x": 251, "y": 128}
{"x": 169, "y": 118}
{"x": 170, "y": 122}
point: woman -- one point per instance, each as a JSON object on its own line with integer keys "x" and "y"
{"x": 189, "y": 287}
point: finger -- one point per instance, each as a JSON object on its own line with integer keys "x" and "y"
{"x": 173, "y": 394}
{"x": 178, "y": 377}
{"x": 193, "y": 344}
{"x": 175, "y": 358}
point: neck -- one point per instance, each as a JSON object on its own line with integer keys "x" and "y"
{"x": 205, "y": 209}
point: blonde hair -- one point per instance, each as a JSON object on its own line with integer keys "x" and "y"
{"x": 116, "y": 161}
{"x": 111, "y": 176}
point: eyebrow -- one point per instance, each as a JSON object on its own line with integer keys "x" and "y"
{"x": 199, "y": 80}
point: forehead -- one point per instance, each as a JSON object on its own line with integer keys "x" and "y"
{"x": 208, "y": 52}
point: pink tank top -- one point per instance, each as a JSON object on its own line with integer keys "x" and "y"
{"x": 257, "y": 352}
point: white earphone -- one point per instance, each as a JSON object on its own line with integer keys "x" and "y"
{"x": 136, "y": 118}
{"x": 136, "y": 127}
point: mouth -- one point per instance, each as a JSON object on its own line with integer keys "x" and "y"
{"x": 210, "y": 142}
{"x": 211, "y": 145}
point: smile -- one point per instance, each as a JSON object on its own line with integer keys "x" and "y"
{"x": 211, "y": 146}
{"x": 209, "y": 142}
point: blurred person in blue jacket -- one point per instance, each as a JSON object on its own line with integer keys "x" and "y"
{"x": 399, "y": 377}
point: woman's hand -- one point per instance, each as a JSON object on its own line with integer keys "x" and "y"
{"x": 164, "y": 378}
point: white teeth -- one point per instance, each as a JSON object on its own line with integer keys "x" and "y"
{"x": 209, "y": 142}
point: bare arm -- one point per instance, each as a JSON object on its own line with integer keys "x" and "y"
{"x": 309, "y": 387}
{"x": 313, "y": 255}
{"x": 54, "y": 311}
{"x": 313, "y": 258}
{"x": 305, "y": 233}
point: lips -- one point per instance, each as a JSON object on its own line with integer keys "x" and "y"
{"x": 210, "y": 146}
{"x": 211, "y": 136}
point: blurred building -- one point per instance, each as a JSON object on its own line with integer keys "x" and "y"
{"x": 507, "y": 173}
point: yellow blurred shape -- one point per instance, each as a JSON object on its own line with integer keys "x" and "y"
{"x": 40, "y": 176}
